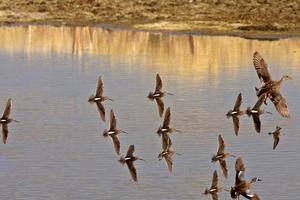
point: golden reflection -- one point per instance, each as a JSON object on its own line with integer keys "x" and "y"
{"x": 194, "y": 54}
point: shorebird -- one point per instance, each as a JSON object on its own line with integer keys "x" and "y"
{"x": 167, "y": 153}
{"x": 221, "y": 156}
{"x": 235, "y": 113}
{"x": 214, "y": 188}
{"x": 98, "y": 98}
{"x": 276, "y": 136}
{"x": 158, "y": 89}
{"x": 5, "y": 120}
{"x": 242, "y": 187}
{"x": 256, "y": 111}
{"x": 270, "y": 87}
{"x": 129, "y": 160}
{"x": 165, "y": 128}
{"x": 113, "y": 132}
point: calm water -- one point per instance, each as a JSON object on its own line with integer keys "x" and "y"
{"x": 58, "y": 151}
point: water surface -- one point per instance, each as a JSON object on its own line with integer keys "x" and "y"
{"x": 58, "y": 151}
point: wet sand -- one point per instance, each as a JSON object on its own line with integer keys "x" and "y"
{"x": 260, "y": 19}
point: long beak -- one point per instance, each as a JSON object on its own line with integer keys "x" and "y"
{"x": 178, "y": 154}
{"x": 169, "y": 93}
{"x": 232, "y": 156}
{"x": 225, "y": 189}
{"x": 141, "y": 159}
{"x": 179, "y": 131}
{"x": 269, "y": 113}
{"x": 16, "y": 121}
{"x": 124, "y": 132}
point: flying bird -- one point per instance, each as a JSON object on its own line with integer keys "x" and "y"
{"x": 167, "y": 153}
{"x": 113, "y": 132}
{"x": 129, "y": 159}
{"x": 256, "y": 111}
{"x": 158, "y": 89}
{"x": 98, "y": 98}
{"x": 5, "y": 120}
{"x": 214, "y": 188}
{"x": 276, "y": 136}
{"x": 221, "y": 156}
{"x": 235, "y": 113}
{"x": 165, "y": 128}
{"x": 242, "y": 187}
{"x": 270, "y": 87}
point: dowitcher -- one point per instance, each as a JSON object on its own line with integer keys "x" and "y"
{"x": 235, "y": 113}
{"x": 276, "y": 136}
{"x": 214, "y": 188}
{"x": 165, "y": 128}
{"x": 113, "y": 132}
{"x": 129, "y": 160}
{"x": 5, "y": 120}
{"x": 158, "y": 89}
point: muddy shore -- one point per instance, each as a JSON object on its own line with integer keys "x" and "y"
{"x": 260, "y": 19}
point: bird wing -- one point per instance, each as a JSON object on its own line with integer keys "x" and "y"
{"x": 240, "y": 169}
{"x": 236, "y": 124}
{"x": 7, "y": 109}
{"x": 130, "y": 150}
{"x": 214, "y": 182}
{"x": 116, "y": 142}
{"x": 158, "y": 86}
{"x": 214, "y": 196}
{"x": 160, "y": 106}
{"x": 169, "y": 162}
{"x": 261, "y": 68}
{"x": 101, "y": 110}
{"x": 250, "y": 195}
{"x": 113, "y": 121}
{"x": 276, "y": 140}
{"x": 224, "y": 168}
{"x": 166, "y": 142}
{"x": 132, "y": 170}
{"x": 238, "y": 103}
{"x": 280, "y": 103}
{"x": 257, "y": 123}
{"x": 259, "y": 102}
{"x": 99, "y": 87}
{"x": 221, "y": 145}
{"x": 167, "y": 118}
{"x": 4, "y": 133}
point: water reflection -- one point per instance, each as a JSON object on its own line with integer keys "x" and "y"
{"x": 195, "y": 54}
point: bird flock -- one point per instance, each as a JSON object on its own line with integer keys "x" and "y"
{"x": 269, "y": 89}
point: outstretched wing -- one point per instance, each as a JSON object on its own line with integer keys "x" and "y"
{"x": 169, "y": 162}
{"x": 101, "y": 110}
{"x": 259, "y": 102}
{"x": 276, "y": 140}
{"x": 221, "y": 145}
{"x": 132, "y": 170}
{"x": 130, "y": 150}
{"x": 158, "y": 86}
{"x": 261, "y": 68}
{"x": 166, "y": 141}
{"x": 167, "y": 118}
{"x": 238, "y": 103}
{"x": 257, "y": 123}
{"x": 113, "y": 121}
{"x": 7, "y": 109}
{"x": 215, "y": 196}
{"x": 240, "y": 170}
{"x": 4, "y": 133}
{"x": 99, "y": 87}
{"x": 116, "y": 142}
{"x": 280, "y": 103}
{"x": 236, "y": 124}
{"x": 224, "y": 168}
{"x": 160, "y": 106}
{"x": 214, "y": 182}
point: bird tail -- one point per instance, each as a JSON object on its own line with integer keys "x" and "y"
{"x": 105, "y": 133}
{"x": 122, "y": 160}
